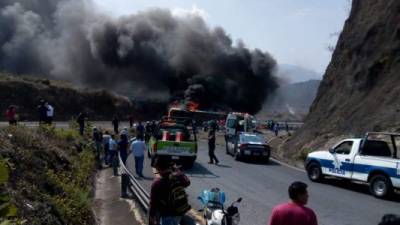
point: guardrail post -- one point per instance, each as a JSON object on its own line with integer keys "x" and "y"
{"x": 124, "y": 184}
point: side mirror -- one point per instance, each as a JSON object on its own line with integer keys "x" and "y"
{"x": 331, "y": 150}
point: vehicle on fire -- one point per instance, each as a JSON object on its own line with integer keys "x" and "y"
{"x": 373, "y": 159}
{"x": 174, "y": 139}
{"x": 246, "y": 145}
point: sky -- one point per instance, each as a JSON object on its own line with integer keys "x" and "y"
{"x": 296, "y": 32}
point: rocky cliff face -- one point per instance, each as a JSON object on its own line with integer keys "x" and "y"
{"x": 360, "y": 89}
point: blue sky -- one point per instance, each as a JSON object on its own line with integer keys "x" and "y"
{"x": 293, "y": 31}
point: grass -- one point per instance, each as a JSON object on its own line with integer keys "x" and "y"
{"x": 51, "y": 169}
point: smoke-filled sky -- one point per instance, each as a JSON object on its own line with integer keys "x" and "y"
{"x": 295, "y": 32}
{"x": 151, "y": 53}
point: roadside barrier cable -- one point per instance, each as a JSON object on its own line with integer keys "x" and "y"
{"x": 140, "y": 193}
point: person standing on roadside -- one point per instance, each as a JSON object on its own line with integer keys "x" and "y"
{"x": 294, "y": 212}
{"x": 115, "y": 123}
{"x": 98, "y": 140}
{"x": 138, "y": 148}
{"x": 49, "y": 113}
{"x": 211, "y": 146}
{"x": 123, "y": 147}
{"x": 163, "y": 209}
{"x": 81, "y": 121}
{"x": 42, "y": 110}
{"x": 276, "y": 129}
{"x": 113, "y": 150}
{"x": 140, "y": 129}
{"x": 130, "y": 118}
{"x": 106, "y": 143}
{"x": 11, "y": 115}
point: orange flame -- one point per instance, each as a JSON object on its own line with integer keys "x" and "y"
{"x": 192, "y": 106}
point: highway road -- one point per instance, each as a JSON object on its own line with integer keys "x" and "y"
{"x": 262, "y": 186}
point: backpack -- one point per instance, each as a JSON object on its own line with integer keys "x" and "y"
{"x": 178, "y": 201}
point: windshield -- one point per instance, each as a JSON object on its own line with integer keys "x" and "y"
{"x": 251, "y": 138}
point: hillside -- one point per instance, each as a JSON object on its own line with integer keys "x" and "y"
{"x": 291, "y": 101}
{"x": 360, "y": 89}
{"x": 46, "y": 176}
{"x": 68, "y": 101}
{"x": 296, "y": 74}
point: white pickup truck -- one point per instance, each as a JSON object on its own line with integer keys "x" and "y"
{"x": 373, "y": 159}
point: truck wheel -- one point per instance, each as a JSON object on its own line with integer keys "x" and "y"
{"x": 314, "y": 172}
{"x": 188, "y": 164}
{"x": 380, "y": 186}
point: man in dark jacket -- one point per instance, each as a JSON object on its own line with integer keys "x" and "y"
{"x": 160, "y": 212}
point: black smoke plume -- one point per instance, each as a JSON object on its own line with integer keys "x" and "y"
{"x": 150, "y": 54}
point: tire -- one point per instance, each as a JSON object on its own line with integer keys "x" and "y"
{"x": 188, "y": 164}
{"x": 314, "y": 172}
{"x": 380, "y": 186}
{"x": 266, "y": 160}
{"x": 237, "y": 155}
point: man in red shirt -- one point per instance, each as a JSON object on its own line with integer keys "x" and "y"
{"x": 294, "y": 212}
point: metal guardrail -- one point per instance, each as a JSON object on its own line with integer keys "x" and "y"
{"x": 128, "y": 181}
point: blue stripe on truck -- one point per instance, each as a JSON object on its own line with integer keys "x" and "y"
{"x": 358, "y": 168}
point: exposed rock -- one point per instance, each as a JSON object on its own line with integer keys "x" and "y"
{"x": 360, "y": 89}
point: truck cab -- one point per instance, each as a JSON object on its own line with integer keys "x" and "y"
{"x": 175, "y": 139}
{"x": 372, "y": 159}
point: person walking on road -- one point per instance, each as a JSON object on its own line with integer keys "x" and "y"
{"x": 164, "y": 209}
{"x": 11, "y": 115}
{"x": 294, "y": 212}
{"x": 49, "y": 113}
{"x": 113, "y": 151}
{"x": 211, "y": 146}
{"x": 81, "y": 122}
{"x": 123, "y": 146}
{"x": 138, "y": 148}
{"x": 115, "y": 122}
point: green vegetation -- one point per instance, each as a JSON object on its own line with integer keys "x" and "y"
{"x": 46, "y": 175}
{"x": 303, "y": 154}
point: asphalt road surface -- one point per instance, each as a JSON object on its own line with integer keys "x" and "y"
{"x": 262, "y": 186}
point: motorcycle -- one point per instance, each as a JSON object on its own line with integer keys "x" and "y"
{"x": 213, "y": 209}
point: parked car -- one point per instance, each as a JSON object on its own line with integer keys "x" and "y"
{"x": 249, "y": 145}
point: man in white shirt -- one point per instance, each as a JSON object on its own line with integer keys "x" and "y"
{"x": 138, "y": 148}
{"x": 49, "y": 114}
